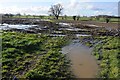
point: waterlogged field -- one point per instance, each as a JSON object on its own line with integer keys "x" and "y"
{"x": 106, "y": 49}
{"x": 33, "y": 56}
{"x": 38, "y": 56}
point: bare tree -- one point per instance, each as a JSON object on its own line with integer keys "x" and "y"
{"x": 56, "y": 10}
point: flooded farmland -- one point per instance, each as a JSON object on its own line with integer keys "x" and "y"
{"x": 83, "y": 62}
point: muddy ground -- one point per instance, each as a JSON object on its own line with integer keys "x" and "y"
{"x": 100, "y": 24}
{"x": 93, "y": 27}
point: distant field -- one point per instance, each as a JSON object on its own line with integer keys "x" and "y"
{"x": 113, "y": 20}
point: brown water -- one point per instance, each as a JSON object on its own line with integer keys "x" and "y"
{"x": 84, "y": 65}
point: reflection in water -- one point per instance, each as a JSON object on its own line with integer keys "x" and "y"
{"x": 84, "y": 64}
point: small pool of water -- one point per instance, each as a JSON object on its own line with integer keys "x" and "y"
{"x": 17, "y": 26}
{"x": 55, "y": 35}
{"x": 78, "y": 35}
{"x": 84, "y": 65}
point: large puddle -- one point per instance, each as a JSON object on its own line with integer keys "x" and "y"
{"x": 17, "y": 26}
{"x": 84, "y": 65}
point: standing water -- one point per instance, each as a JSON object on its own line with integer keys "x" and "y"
{"x": 84, "y": 65}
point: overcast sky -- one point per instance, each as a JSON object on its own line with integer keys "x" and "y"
{"x": 71, "y": 7}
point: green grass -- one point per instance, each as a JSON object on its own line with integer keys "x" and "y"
{"x": 107, "y": 51}
{"x": 33, "y": 56}
{"x": 112, "y": 20}
{"x": 108, "y": 54}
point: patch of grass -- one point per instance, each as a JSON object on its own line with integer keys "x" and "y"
{"x": 108, "y": 54}
{"x": 23, "y": 52}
